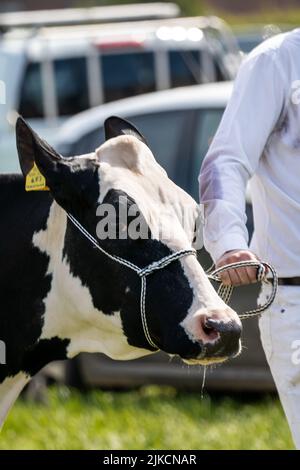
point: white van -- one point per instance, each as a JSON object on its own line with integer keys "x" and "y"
{"x": 52, "y": 73}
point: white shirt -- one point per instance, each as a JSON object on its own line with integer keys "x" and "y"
{"x": 258, "y": 138}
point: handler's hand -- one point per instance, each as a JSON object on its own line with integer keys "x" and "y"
{"x": 238, "y": 276}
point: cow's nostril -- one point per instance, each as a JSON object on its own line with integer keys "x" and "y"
{"x": 213, "y": 324}
{"x": 209, "y": 328}
{"x": 223, "y": 336}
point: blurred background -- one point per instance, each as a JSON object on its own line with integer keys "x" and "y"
{"x": 168, "y": 67}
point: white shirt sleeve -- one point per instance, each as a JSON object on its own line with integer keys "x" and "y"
{"x": 255, "y": 106}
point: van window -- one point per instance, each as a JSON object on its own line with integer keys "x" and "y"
{"x": 184, "y": 67}
{"x": 127, "y": 74}
{"x": 220, "y": 75}
{"x": 71, "y": 85}
{"x": 31, "y": 96}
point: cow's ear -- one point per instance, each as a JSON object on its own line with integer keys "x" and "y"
{"x": 73, "y": 182}
{"x": 115, "y": 126}
{"x": 32, "y": 149}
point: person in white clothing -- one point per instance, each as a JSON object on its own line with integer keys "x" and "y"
{"x": 258, "y": 140}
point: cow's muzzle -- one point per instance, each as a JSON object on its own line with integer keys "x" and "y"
{"x": 218, "y": 334}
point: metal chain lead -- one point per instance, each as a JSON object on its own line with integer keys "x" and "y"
{"x": 225, "y": 291}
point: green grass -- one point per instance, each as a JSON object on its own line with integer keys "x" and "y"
{"x": 151, "y": 418}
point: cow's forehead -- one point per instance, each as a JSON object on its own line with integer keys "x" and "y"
{"x": 128, "y": 165}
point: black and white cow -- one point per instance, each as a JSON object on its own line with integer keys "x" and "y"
{"x": 60, "y": 296}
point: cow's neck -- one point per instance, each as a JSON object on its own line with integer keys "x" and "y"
{"x": 71, "y": 310}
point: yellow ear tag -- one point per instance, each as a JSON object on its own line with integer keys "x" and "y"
{"x": 35, "y": 181}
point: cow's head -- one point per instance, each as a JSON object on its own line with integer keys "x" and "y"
{"x": 184, "y": 314}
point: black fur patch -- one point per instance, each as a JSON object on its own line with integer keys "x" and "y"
{"x": 45, "y": 351}
{"x": 24, "y": 283}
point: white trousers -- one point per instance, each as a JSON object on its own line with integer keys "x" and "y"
{"x": 280, "y": 336}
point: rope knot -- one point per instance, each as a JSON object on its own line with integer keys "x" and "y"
{"x": 162, "y": 263}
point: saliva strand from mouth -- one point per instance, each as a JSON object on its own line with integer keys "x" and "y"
{"x": 203, "y": 382}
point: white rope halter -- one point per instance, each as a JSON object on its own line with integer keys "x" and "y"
{"x": 224, "y": 291}
{"x": 141, "y": 272}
